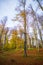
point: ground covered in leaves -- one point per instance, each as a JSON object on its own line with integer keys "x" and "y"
{"x": 16, "y": 57}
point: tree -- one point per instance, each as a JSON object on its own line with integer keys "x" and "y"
{"x": 13, "y": 40}
{"x": 22, "y": 17}
{"x": 36, "y": 22}
{"x": 3, "y": 23}
{"x": 5, "y": 36}
{"x": 40, "y": 4}
{"x": 16, "y": 41}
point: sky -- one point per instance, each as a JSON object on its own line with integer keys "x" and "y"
{"x": 7, "y": 8}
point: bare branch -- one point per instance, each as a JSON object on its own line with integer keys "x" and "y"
{"x": 40, "y": 5}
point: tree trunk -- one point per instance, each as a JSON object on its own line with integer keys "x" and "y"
{"x": 25, "y": 37}
{"x": 0, "y": 42}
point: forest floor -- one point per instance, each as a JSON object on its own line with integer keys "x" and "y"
{"x": 13, "y": 57}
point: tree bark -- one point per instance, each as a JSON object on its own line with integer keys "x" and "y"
{"x": 25, "y": 41}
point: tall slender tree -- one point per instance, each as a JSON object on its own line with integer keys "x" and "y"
{"x": 21, "y": 16}
{"x": 3, "y": 23}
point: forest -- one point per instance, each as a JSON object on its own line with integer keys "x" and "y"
{"x": 23, "y": 44}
